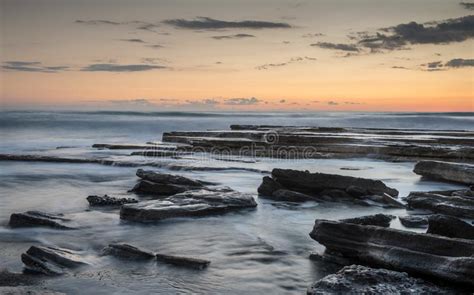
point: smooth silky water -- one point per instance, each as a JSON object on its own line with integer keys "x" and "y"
{"x": 258, "y": 251}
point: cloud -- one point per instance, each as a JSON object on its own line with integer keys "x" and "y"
{"x": 207, "y": 23}
{"x": 155, "y": 46}
{"x": 98, "y": 22}
{"x": 337, "y": 46}
{"x": 459, "y": 63}
{"x": 31, "y": 66}
{"x": 434, "y": 64}
{"x": 443, "y": 32}
{"x": 400, "y": 68}
{"x": 312, "y": 35}
{"x": 242, "y": 101}
{"x": 291, "y": 61}
{"x": 467, "y": 5}
{"x": 120, "y": 68}
{"x": 133, "y": 40}
{"x": 332, "y": 103}
{"x": 206, "y": 103}
{"x": 236, "y": 36}
{"x": 282, "y": 100}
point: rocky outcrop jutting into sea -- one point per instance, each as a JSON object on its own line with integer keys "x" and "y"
{"x": 454, "y": 172}
{"x": 459, "y": 203}
{"x": 428, "y": 255}
{"x": 38, "y": 219}
{"x": 296, "y": 186}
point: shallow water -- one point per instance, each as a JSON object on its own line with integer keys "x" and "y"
{"x": 257, "y": 251}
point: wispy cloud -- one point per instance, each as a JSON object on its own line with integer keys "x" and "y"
{"x": 236, "y": 36}
{"x": 460, "y": 62}
{"x": 207, "y": 23}
{"x": 120, "y": 68}
{"x": 337, "y": 46}
{"x": 31, "y": 66}
{"x": 468, "y": 5}
{"x": 281, "y": 64}
{"x": 133, "y": 40}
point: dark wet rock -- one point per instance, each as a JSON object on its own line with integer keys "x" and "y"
{"x": 105, "y": 200}
{"x": 303, "y": 185}
{"x": 125, "y": 146}
{"x": 193, "y": 203}
{"x": 41, "y": 158}
{"x": 38, "y": 219}
{"x": 454, "y": 172}
{"x": 268, "y": 186}
{"x": 127, "y": 252}
{"x": 309, "y": 182}
{"x": 50, "y": 260}
{"x": 358, "y": 279}
{"x": 377, "y": 220}
{"x": 190, "y": 262}
{"x": 164, "y": 184}
{"x": 458, "y": 203}
{"x": 435, "y": 256}
{"x": 8, "y": 278}
{"x": 158, "y": 177}
{"x": 289, "y": 196}
{"x": 162, "y": 189}
{"x": 161, "y": 153}
{"x": 449, "y": 226}
{"x": 414, "y": 221}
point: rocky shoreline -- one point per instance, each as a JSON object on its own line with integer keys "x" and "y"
{"x": 376, "y": 257}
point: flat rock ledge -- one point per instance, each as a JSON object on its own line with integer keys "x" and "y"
{"x": 193, "y": 203}
{"x": 156, "y": 183}
{"x": 382, "y": 220}
{"x": 126, "y": 251}
{"x": 447, "y": 259}
{"x": 458, "y": 203}
{"x": 449, "y": 226}
{"x": 50, "y": 261}
{"x": 358, "y": 279}
{"x": 299, "y": 186}
{"x": 452, "y": 172}
{"x": 105, "y": 200}
{"x": 38, "y": 219}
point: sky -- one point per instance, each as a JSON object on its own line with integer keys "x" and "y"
{"x": 247, "y": 55}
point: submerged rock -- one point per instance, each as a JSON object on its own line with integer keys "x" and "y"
{"x": 193, "y": 203}
{"x": 358, "y": 279}
{"x": 377, "y": 220}
{"x": 158, "y": 177}
{"x": 455, "y": 172}
{"x": 190, "y": 262}
{"x": 458, "y": 203}
{"x": 414, "y": 221}
{"x": 297, "y": 186}
{"x": 38, "y": 219}
{"x": 436, "y": 256}
{"x": 105, "y": 200}
{"x": 450, "y": 227}
{"x": 50, "y": 260}
{"x": 128, "y": 252}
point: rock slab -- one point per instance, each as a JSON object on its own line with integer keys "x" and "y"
{"x": 458, "y": 203}
{"x": 50, "y": 260}
{"x": 453, "y": 172}
{"x": 127, "y": 252}
{"x": 449, "y": 226}
{"x": 38, "y": 219}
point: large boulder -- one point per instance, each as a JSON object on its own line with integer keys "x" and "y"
{"x": 193, "y": 203}
{"x": 50, "y": 260}
{"x": 450, "y": 227}
{"x": 38, "y": 219}
{"x": 382, "y": 220}
{"x": 458, "y": 203}
{"x": 297, "y": 186}
{"x": 418, "y": 254}
{"x": 454, "y": 172}
{"x": 358, "y": 279}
